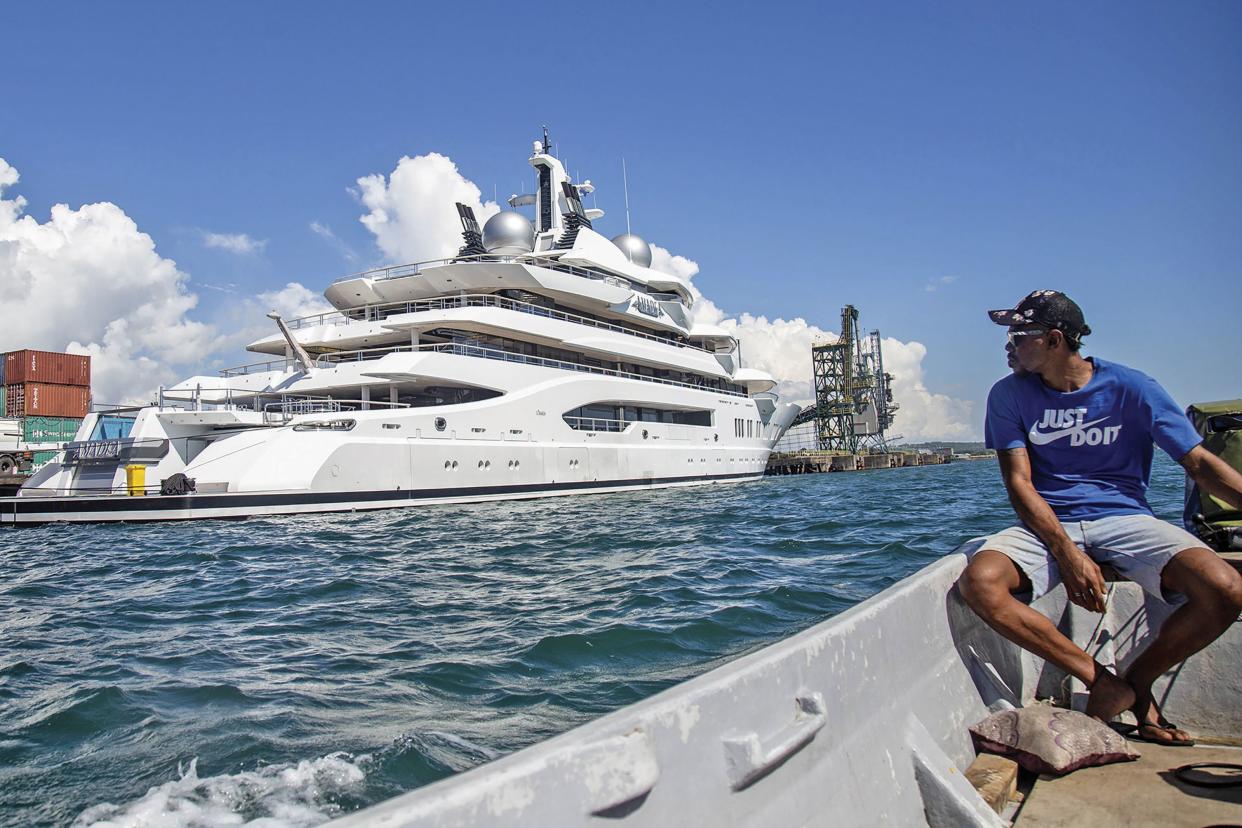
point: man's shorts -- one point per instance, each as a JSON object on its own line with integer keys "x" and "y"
{"x": 1137, "y": 546}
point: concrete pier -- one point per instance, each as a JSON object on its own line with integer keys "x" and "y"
{"x": 818, "y": 462}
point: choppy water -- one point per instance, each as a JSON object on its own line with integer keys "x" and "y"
{"x": 290, "y": 669}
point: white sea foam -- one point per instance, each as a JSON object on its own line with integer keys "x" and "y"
{"x": 276, "y": 796}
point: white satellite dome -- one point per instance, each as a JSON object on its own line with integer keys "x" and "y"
{"x": 508, "y": 232}
{"x": 635, "y": 248}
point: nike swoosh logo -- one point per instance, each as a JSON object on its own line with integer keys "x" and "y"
{"x": 1043, "y": 438}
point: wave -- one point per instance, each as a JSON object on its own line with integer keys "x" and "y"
{"x": 276, "y": 796}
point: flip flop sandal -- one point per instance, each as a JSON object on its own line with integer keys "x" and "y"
{"x": 1137, "y": 735}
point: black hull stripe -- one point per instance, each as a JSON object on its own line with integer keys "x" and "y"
{"x": 15, "y": 507}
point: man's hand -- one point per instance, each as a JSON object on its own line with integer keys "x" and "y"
{"x": 1084, "y": 583}
{"x": 1082, "y": 577}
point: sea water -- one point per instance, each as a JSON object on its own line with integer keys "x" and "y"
{"x": 286, "y": 670}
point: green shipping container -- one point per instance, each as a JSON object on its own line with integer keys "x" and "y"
{"x": 1, "y": 400}
{"x": 50, "y": 429}
{"x": 42, "y": 458}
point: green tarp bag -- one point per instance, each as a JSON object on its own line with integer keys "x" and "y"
{"x": 1220, "y": 423}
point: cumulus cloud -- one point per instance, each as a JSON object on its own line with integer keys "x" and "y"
{"x": 238, "y": 243}
{"x": 411, "y": 211}
{"x": 89, "y": 281}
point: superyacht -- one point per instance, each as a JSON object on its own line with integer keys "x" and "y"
{"x": 543, "y": 359}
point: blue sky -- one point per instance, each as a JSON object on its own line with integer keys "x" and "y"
{"x": 921, "y": 161}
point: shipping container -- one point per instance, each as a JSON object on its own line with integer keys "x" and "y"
{"x": 50, "y": 429}
{"x": 27, "y": 399}
{"x": 47, "y": 367}
{"x": 42, "y": 458}
{"x": 2, "y": 392}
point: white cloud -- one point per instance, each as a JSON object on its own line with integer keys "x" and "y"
{"x": 411, "y": 212}
{"x": 325, "y": 232}
{"x": 89, "y": 281}
{"x": 292, "y": 301}
{"x": 935, "y": 284}
{"x": 238, "y": 243}
{"x": 924, "y": 415}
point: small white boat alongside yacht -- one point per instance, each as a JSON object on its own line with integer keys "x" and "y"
{"x": 543, "y": 359}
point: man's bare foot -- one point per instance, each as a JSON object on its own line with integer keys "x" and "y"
{"x": 1109, "y": 695}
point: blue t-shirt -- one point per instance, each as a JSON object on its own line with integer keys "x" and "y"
{"x": 1090, "y": 449}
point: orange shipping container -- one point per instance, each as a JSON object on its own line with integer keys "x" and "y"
{"x": 47, "y": 367}
{"x": 30, "y": 399}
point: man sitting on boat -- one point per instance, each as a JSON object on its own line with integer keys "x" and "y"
{"x": 1074, "y": 437}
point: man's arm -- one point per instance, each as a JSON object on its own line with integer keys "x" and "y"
{"x": 1214, "y": 476}
{"x": 1082, "y": 577}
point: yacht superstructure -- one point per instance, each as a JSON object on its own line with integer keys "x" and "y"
{"x": 543, "y": 359}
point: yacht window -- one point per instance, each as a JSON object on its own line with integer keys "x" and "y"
{"x": 440, "y": 424}
{"x": 112, "y": 427}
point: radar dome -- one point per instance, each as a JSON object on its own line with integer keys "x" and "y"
{"x": 635, "y": 248}
{"x": 508, "y": 232}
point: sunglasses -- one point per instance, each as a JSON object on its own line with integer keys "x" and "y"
{"x": 1015, "y": 336}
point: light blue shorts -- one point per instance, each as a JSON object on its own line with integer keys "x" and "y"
{"x": 1137, "y": 546}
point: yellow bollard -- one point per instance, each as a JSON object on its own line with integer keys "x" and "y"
{"x": 136, "y": 480}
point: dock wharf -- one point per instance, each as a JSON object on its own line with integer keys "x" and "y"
{"x": 819, "y": 462}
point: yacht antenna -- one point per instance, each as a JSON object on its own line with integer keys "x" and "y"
{"x": 547, "y": 142}
{"x": 625, "y": 181}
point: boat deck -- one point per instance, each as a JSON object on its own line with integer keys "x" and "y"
{"x": 1144, "y": 792}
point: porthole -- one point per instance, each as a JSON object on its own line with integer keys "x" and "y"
{"x": 440, "y": 424}
{"x": 716, "y": 438}
{"x": 644, "y": 434}
{"x": 480, "y": 464}
{"x": 447, "y": 465}
{"x": 454, "y": 464}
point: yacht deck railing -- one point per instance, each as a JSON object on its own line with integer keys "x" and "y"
{"x": 475, "y": 300}
{"x": 486, "y": 352}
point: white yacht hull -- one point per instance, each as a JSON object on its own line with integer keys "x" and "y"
{"x": 112, "y": 508}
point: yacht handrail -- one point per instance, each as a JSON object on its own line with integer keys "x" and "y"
{"x": 464, "y": 349}
{"x": 380, "y": 274}
{"x": 284, "y": 364}
{"x": 475, "y": 300}
{"x": 487, "y": 352}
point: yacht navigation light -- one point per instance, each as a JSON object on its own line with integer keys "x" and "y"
{"x": 299, "y": 353}
{"x": 508, "y": 232}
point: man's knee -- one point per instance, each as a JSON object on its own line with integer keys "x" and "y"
{"x": 1207, "y": 580}
{"x": 988, "y": 579}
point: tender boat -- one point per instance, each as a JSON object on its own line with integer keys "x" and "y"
{"x": 861, "y": 720}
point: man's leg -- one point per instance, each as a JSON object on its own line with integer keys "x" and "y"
{"x": 1213, "y": 590}
{"x": 988, "y": 585}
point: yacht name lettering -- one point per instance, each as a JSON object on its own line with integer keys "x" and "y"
{"x": 100, "y": 449}
{"x": 647, "y": 305}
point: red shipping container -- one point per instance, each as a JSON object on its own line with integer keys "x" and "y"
{"x": 40, "y": 399}
{"x": 47, "y": 367}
